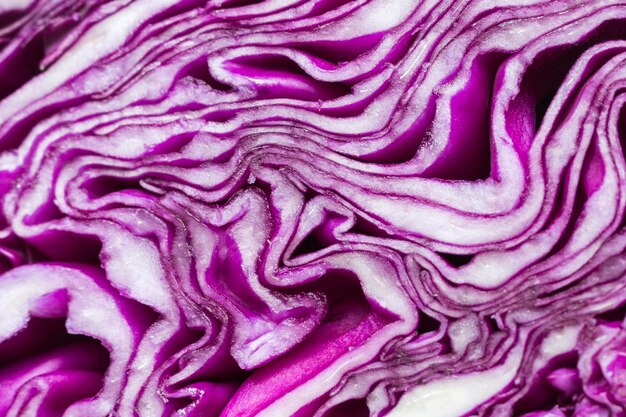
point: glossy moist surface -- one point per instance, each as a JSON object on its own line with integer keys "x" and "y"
{"x": 312, "y": 208}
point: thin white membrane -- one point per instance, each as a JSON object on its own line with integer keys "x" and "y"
{"x": 99, "y": 41}
{"x": 16, "y": 5}
{"x": 459, "y": 395}
{"x": 88, "y": 308}
{"x": 469, "y": 391}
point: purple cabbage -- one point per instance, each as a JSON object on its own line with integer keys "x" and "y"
{"x": 312, "y": 208}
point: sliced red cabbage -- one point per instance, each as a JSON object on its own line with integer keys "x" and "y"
{"x": 312, "y": 208}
